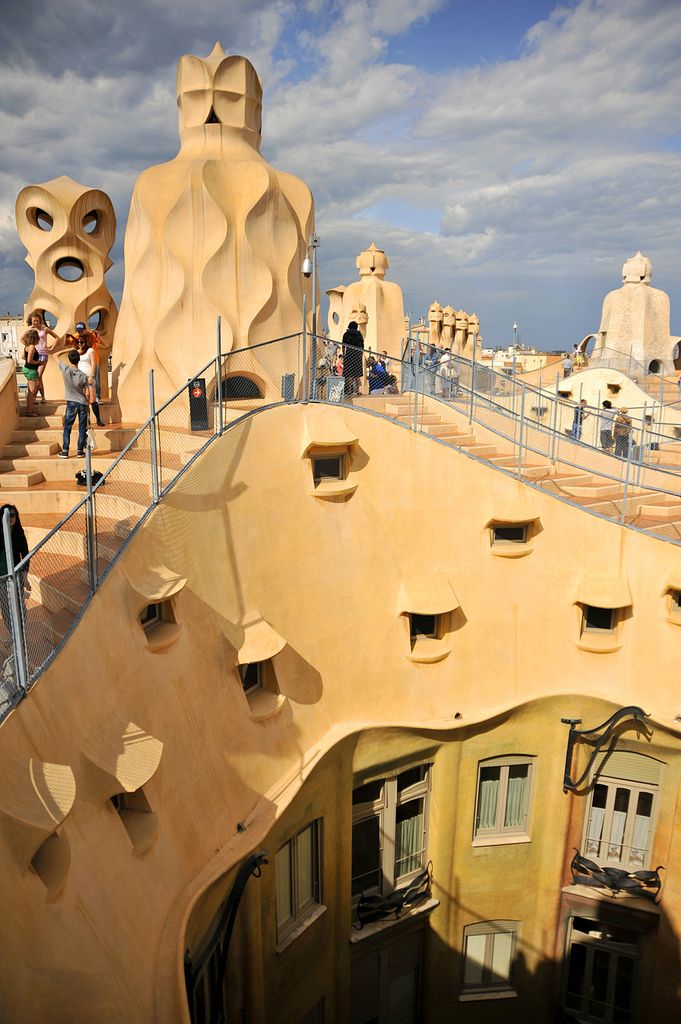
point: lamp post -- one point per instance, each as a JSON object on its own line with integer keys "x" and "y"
{"x": 309, "y": 269}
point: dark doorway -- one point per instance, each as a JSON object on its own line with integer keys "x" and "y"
{"x": 654, "y": 366}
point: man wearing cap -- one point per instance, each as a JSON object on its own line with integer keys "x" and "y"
{"x": 75, "y": 383}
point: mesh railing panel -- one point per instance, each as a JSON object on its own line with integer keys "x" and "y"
{"x": 266, "y": 374}
{"x": 11, "y": 690}
{"x": 122, "y": 499}
{"x": 186, "y": 424}
{"x": 55, "y": 586}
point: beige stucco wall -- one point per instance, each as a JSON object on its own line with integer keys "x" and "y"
{"x": 9, "y": 400}
{"x": 244, "y": 529}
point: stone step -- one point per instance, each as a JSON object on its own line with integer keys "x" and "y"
{"x": 25, "y": 478}
{"x": 424, "y": 418}
{"x": 70, "y": 539}
{"x": 536, "y": 472}
{"x": 108, "y": 411}
{"x": 660, "y": 528}
{"x": 597, "y": 489}
{"x": 503, "y": 460}
{"x": 114, "y": 500}
{"x": 36, "y": 449}
{"x": 449, "y": 429}
{"x": 662, "y": 512}
{"x": 108, "y": 438}
{"x": 58, "y": 582}
{"x": 397, "y": 407}
{"x": 477, "y": 447}
{"x": 30, "y": 423}
{"x": 61, "y": 469}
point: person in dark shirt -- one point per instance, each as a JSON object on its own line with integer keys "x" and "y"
{"x": 353, "y": 358}
{"x": 19, "y": 552}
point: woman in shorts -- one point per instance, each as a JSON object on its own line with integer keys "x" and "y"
{"x": 36, "y": 322}
{"x": 30, "y": 369}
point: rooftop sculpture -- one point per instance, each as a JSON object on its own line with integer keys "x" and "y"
{"x": 215, "y": 230}
{"x": 382, "y": 301}
{"x": 68, "y": 230}
{"x": 635, "y": 322}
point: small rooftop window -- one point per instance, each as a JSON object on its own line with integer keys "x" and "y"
{"x": 424, "y": 626}
{"x": 160, "y": 626}
{"x": 251, "y": 676}
{"x": 510, "y": 533}
{"x": 328, "y": 467}
{"x": 602, "y": 620}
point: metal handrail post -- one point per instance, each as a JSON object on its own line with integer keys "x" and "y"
{"x": 16, "y": 618}
{"x": 90, "y": 522}
{"x": 152, "y": 437}
{"x": 417, "y": 367}
{"x": 599, "y": 419}
{"x": 642, "y": 446}
{"x": 303, "y": 384}
{"x": 218, "y": 383}
{"x": 520, "y": 431}
{"x": 473, "y": 364}
{"x": 627, "y": 473}
{"x": 554, "y": 428}
{"x": 313, "y": 345}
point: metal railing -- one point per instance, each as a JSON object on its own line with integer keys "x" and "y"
{"x": 43, "y": 597}
{"x": 656, "y": 427}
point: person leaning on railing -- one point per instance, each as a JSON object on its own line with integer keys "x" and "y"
{"x": 622, "y": 430}
{"x": 19, "y": 551}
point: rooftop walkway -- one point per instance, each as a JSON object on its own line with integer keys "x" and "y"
{"x": 75, "y": 538}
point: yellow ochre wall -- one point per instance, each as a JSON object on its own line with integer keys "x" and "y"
{"x": 252, "y": 541}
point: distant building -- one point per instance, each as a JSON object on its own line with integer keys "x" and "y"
{"x": 11, "y": 329}
{"x": 506, "y": 360}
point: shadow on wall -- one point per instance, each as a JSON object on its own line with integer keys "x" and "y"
{"x": 612, "y": 963}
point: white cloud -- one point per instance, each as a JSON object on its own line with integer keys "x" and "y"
{"x": 548, "y": 169}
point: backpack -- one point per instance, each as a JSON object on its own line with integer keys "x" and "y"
{"x": 81, "y": 477}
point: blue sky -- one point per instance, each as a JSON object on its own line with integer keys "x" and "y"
{"x": 508, "y": 156}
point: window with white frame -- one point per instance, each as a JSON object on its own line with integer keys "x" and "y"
{"x": 600, "y": 971}
{"x": 621, "y": 811}
{"x": 489, "y": 955}
{"x": 152, "y": 615}
{"x": 328, "y": 467}
{"x": 298, "y": 878}
{"x": 503, "y": 799}
{"x": 389, "y": 831}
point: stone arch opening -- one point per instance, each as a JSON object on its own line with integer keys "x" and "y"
{"x": 92, "y": 222}
{"x": 240, "y": 386}
{"x": 68, "y": 268}
{"x": 654, "y": 366}
{"x": 40, "y": 218}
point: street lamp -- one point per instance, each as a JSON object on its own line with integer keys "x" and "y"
{"x": 515, "y": 342}
{"x": 309, "y": 269}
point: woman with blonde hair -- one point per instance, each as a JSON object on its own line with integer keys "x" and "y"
{"x": 36, "y": 322}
